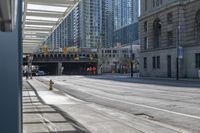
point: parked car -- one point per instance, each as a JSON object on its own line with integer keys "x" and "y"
{"x": 40, "y": 73}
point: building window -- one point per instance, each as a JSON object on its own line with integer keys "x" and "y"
{"x": 198, "y": 25}
{"x": 197, "y": 58}
{"x": 133, "y": 56}
{"x": 145, "y": 43}
{"x": 154, "y": 3}
{"x": 145, "y": 5}
{"x": 145, "y": 26}
{"x": 158, "y": 2}
{"x": 170, "y": 38}
{"x": 169, "y": 18}
{"x": 158, "y": 62}
{"x": 157, "y": 33}
{"x": 145, "y": 62}
{"x": 154, "y": 62}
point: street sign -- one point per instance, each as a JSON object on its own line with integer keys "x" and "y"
{"x": 65, "y": 51}
{"x": 180, "y": 52}
{"x": 91, "y": 57}
{"x": 94, "y": 50}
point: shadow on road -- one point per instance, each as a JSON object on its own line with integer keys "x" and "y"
{"x": 163, "y": 82}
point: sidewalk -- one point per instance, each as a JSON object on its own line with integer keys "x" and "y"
{"x": 136, "y": 76}
{"x": 39, "y": 117}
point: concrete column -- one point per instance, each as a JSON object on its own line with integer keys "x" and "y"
{"x": 11, "y": 78}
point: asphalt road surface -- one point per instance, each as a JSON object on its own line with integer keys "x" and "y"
{"x": 148, "y": 106}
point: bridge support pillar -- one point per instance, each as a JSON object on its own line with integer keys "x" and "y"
{"x": 60, "y": 68}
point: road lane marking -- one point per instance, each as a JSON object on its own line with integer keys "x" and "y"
{"x": 151, "y": 107}
{"x": 151, "y": 121}
{"x": 136, "y": 104}
{"x": 140, "y": 105}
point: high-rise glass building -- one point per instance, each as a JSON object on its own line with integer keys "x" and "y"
{"x": 126, "y": 14}
{"x": 62, "y": 36}
{"x": 76, "y": 26}
{"x": 81, "y": 28}
{"x": 107, "y": 23}
{"x": 98, "y": 23}
{"x": 90, "y": 23}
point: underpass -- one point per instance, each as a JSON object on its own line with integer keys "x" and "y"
{"x": 78, "y": 68}
{"x": 61, "y": 64}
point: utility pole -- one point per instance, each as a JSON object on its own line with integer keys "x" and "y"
{"x": 177, "y": 53}
{"x": 131, "y": 60}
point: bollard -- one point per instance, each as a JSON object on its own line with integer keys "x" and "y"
{"x": 51, "y": 85}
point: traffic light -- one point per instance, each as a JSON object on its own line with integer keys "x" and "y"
{"x": 77, "y": 58}
{"x": 91, "y": 57}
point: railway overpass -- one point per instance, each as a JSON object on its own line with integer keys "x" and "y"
{"x": 57, "y": 63}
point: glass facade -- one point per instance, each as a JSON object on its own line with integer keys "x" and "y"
{"x": 107, "y": 26}
{"x": 62, "y": 36}
{"x": 97, "y": 23}
{"x": 81, "y": 28}
{"x": 126, "y": 14}
{"x": 126, "y": 35}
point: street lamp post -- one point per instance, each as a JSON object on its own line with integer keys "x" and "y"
{"x": 99, "y": 65}
{"x": 177, "y": 45}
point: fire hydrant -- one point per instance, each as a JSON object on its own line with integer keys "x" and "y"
{"x": 51, "y": 85}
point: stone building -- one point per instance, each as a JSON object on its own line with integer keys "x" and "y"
{"x": 170, "y": 29}
{"x": 118, "y": 59}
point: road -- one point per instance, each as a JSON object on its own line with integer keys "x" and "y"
{"x": 143, "y": 105}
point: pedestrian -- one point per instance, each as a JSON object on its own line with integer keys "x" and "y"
{"x": 30, "y": 73}
{"x": 26, "y": 74}
{"x": 94, "y": 69}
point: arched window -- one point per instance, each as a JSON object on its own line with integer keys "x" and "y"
{"x": 157, "y": 33}
{"x": 198, "y": 24}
